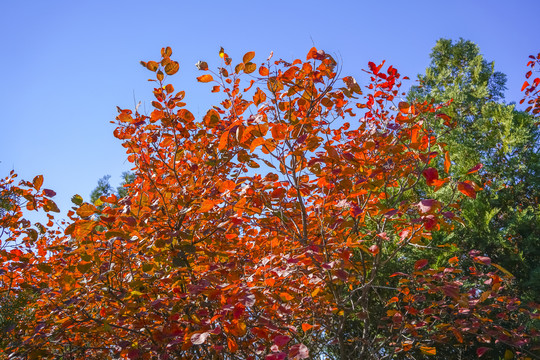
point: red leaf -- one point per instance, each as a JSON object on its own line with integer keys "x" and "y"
{"x": 524, "y": 86}
{"x": 432, "y": 176}
{"x": 281, "y": 340}
{"x": 49, "y": 192}
{"x": 299, "y": 351}
{"x": 475, "y": 168}
{"x": 481, "y": 351}
{"x": 373, "y": 67}
{"x": 482, "y": 259}
{"x": 374, "y": 249}
{"x": 420, "y": 264}
{"x": 467, "y": 189}
{"x": 426, "y": 205}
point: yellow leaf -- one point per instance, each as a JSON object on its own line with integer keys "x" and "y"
{"x": 506, "y": 272}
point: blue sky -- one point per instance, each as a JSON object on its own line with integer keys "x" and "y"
{"x": 66, "y": 65}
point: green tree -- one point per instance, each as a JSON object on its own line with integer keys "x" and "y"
{"x": 503, "y": 221}
{"x": 104, "y": 188}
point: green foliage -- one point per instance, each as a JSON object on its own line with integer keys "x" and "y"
{"x": 503, "y": 221}
{"x": 104, "y": 188}
{"x": 13, "y": 311}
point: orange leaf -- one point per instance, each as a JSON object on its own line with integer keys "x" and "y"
{"x": 306, "y": 327}
{"x": 205, "y": 78}
{"x": 83, "y": 228}
{"x": 256, "y": 143}
{"x": 248, "y": 56}
{"x": 86, "y": 210}
{"x": 447, "y": 162}
{"x": 249, "y": 68}
{"x": 270, "y": 281}
{"x": 467, "y": 189}
{"x": 404, "y": 107}
{"x": 428, "y": 350}
{"x": 259, "y": 97}
{"x": 223, "y": 140}
{"x": 172, "y": 68}
{"x": 226, "y": 185}
{"x": 38, "y": 181}
{"x": 263, "y": 71}
{"x": 206, "y": 206}
{"x": 231, "y": 344}
{"x": 285, "y": 296}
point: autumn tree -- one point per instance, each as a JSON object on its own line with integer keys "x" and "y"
{"x": 265, "y": 228}
{"x": 21, "y": 267}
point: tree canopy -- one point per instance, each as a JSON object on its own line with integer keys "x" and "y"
{"x": 296, "y": 219}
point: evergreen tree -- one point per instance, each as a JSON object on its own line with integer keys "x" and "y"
{"x": 104, "y": 188}
{"x": 503, "y": 222}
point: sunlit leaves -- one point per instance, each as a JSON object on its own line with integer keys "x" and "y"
{"x": 205, "y": 78}
{"x": 38, "y": 181}
{"x": 86, "y": 210}
{"x": 249, "y": 68}
{"x": 467, "y": 189}
{"x": 152, "y": 66}
{"x": 248, "y": 57}
{"x": 77, "y": 199}
{"x": 172, "y": 68}
{"x": 210, "y": 254}
{"x": 447, "y": 162}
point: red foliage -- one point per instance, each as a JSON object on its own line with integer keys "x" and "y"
{"x": 208, "y": 258}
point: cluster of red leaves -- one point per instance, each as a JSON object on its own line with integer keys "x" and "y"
{"x": 207, "y": 258}
{"x": 532, "y": 89}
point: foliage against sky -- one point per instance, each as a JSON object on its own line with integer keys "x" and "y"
{"x": 206, "y": 258}
{"x": 66, "y": 65}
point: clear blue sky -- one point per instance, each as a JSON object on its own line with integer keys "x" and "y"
{"x": 66, "y": 65}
